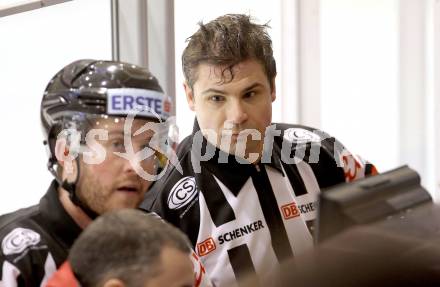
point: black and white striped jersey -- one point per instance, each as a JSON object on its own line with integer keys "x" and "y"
{"x": 35, "y": 241}
{"x": 246, "y": 218}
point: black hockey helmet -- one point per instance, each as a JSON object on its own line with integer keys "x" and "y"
{"x": 97, "y": 88}
{"x": 86, "y": 90}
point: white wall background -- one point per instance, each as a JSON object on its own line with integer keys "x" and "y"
{"x": 359, "y": 88}
{"x": 34, "y": 46}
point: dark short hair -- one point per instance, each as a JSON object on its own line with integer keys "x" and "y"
{"x": 124, "y": 244}
{"x": 227, "y": 41}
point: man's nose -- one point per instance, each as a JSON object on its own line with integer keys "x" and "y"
{"x": 129, "y": 165}
{"x": 237, "y": 113}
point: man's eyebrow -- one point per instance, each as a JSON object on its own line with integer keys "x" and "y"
{"x": 213, "y": 91}
{"x": 253, "y": 86}
{"x": 216, "y": 91}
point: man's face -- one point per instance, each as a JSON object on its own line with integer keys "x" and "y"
{"x": 229, "y": 107}
{"x": 176, "y": 270}
{"x": 114, "y": 183}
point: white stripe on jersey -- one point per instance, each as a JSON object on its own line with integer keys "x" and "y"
{"x": 49, "y": 269}
{"x": 10, "y": 274}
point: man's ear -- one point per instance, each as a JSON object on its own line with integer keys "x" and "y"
{"x": 273, "y": 92}
{"x": 189, "y": 96}
{"x": 113, "y": 283}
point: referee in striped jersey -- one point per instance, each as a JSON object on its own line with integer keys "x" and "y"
{"x": 246, "y": 191}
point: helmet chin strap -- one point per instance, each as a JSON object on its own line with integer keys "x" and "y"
{"x": 70, "y": 187}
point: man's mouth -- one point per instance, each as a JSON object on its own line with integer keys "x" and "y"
{"x": 128, "y": 188}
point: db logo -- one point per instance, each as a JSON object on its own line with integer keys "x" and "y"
{"x": 206, "y": 246}
{"x": 182, "y": 193}
{"x": 290, "y": 210}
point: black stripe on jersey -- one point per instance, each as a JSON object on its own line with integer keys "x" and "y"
{"x": 369, "y": 169}
{"x": 32, "y": 265}
{"x": 295, "y": 179}
{"x": 327, "y": 173}
{"x": 241, "y": 262}
{"x": 272, "y": 215}
{"x": 219, "y": 208}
